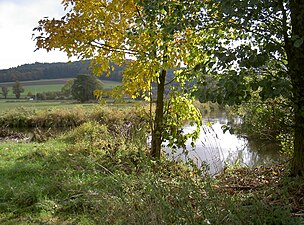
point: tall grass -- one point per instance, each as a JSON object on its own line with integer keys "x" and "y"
{"x": 100, "y": 172}
{"x": 80, "y": 187}
{"x": 68, "y": 117}
{"x": 94, "y": 175}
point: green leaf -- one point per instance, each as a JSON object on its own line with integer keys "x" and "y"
{"x": 298, "y": 43}
{"x": 208, "y": 124}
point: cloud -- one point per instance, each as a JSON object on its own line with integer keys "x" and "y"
{"x": 17, "y": 21}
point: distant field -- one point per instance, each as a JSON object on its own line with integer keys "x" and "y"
{"x": 13, "y": 104}
{"x": 107, "y": 84}
{"x": 39, "y": 86}
{"x": 9, "y": 105}
{"x": 37, "y": 82}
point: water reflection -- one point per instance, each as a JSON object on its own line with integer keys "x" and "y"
{"x": 219, "y": 149}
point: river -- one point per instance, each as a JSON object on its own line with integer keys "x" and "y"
{"x": 219, "y": 150}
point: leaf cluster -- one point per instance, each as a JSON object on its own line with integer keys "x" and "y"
{"x": 250, "y": 54}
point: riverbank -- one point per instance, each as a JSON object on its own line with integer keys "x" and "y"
{"x": 106, "y": 179}
{"x": 97, "y": 170}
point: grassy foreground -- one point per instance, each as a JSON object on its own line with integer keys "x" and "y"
{"x": 100, "y": 173}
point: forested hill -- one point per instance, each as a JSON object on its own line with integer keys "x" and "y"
{"x": 39, "y": 71}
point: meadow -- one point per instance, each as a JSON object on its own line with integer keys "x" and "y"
{"x": 11, "y": 104}
{"x": 40, "y": 86}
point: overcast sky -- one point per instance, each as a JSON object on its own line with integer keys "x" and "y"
{"x": 17, "y": 20}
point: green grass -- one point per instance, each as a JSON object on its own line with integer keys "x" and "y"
{"x": 63, "y": 183}
{"x": 40, "y": 86}
{"x": 9, "y": 105}
{"x": 36, "y": 86}
{"x": 35, "y": 89}
{"x": 107, "y": 84}
{"x": 37, "y": 82}
{"x": 12, "y": 104}
{"x": 101, "y": 173}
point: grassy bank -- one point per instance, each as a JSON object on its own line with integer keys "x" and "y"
{"x": 117, "y": 183}
{"x": 100, "y": 172}
{"x": 69, "y": 115}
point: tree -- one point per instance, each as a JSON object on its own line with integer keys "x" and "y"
{"x": 84, "y": 86}
{"x": 29, "y": 94}
{"x": 4, "y": 91}
{"x": 157, "y": 35}
{"x": 264, "y": 51}
{"x": 17, "y": 89}
{"x": 67, "y": 88}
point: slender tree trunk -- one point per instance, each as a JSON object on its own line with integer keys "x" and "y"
{"x": 295, "y": 54}
{"x": 159, "y": 116}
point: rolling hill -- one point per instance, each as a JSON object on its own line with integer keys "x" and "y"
{"x": 48, "y": 71}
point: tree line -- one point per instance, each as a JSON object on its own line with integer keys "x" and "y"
{"x": 38, "y": 71}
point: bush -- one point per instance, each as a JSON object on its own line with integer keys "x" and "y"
{"x": 263, "y": 121}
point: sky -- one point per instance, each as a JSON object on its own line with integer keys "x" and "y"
{"x": 18, "y": 18}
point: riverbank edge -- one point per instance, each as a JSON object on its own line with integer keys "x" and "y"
{"x": 70, "y": 192}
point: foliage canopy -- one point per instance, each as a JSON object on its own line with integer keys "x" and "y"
{"x": 83, "y": 87}
{"x": 5, "y": 91}
{"x": 17, "y": 89}
{"x": 263, "y": 53}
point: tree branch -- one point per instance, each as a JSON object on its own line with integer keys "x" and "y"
{"x": 169, "y": 82}
{"x": 114, "y": 49}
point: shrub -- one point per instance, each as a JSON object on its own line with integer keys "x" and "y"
{"x": 263, "y": 121}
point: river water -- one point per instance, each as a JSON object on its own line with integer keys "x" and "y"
{"x": 219, "y": 150}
